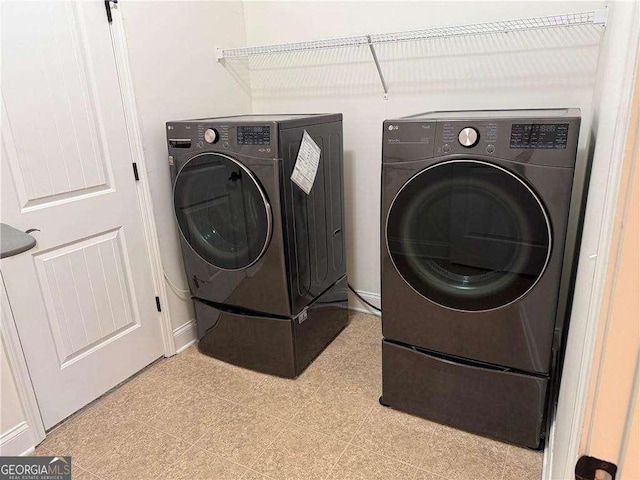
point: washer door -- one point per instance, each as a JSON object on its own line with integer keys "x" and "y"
{"x": 468, "y": 235}
{"x": 222, "y": 211}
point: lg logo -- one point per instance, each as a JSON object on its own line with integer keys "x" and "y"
{"x": 393, "y": 127}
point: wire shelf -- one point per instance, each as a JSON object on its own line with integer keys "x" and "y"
{"x": 596, "y": 17}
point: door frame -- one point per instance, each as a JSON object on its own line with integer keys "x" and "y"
{"x": 125, "y": 79}
{"x": 612, "y": 107}
{"x": 9, "y": 331}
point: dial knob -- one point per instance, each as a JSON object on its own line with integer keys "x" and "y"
{"x": 468, "y": 137}
{"x": 211, "y": 135}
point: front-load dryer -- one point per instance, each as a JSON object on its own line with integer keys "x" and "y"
{"x": 475, "y": 209}
{"x": 265, "y": 261}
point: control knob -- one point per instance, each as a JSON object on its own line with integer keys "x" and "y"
{"x": 468, "y": 137}
{"x": 211, "y": 135}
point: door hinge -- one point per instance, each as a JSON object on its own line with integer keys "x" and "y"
{"x": 589, "y": 468}
{"x": 158, "y": 304}
{"x": 107, "y": 6}
{"x": 135, "y": 172}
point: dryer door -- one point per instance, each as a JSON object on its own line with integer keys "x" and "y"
{"x": 222, "y": 211}
{"x": 468, "y": 235}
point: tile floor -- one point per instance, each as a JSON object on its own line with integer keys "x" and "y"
{"x": 193, "y": 417}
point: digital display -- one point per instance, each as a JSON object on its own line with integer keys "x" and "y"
{"x": 254, "y": 135}
{"x": 539, "y": 135}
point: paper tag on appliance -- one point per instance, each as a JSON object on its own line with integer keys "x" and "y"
{"x": 306, "y": 167}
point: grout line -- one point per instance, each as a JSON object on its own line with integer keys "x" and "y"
{"x": 262, "y": 452}
{"x": 349, "y": 443}
{"x": 175, "y": 460}
{"x": 259, "y": 473}
{"x": 333, "y": 467}
{"x": 366, "y": 417}
{"x": 219, "y": 420}
{"x": 504, "y": 468}
{"x": 78, "y": 467}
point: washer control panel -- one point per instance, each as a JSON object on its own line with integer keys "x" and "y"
{"x": 253, "y": 135}
{"x": 254, "y": 140}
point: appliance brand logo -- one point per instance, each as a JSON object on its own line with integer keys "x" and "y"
{"x": 393, "y": 127}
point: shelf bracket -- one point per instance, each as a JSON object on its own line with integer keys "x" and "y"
{"x": 600, "y": 16}
{"x": 375, "y": 59}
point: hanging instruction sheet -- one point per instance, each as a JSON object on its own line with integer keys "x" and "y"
{"x": 306, "y": 167}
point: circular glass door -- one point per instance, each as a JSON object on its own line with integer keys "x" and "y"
{"x": 222, "y": 211}
{"x": 468, "y": 235}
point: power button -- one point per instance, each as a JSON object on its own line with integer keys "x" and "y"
{"x": 446, "y": 148}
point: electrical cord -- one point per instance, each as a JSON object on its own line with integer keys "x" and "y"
{"x": 371, "y": 305}
{"x": 178, "y": 291}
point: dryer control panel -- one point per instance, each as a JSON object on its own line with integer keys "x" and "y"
{"x": 462, "y": 137}
{"x": 539, "y": 141}
{"x": 539, "y": 135}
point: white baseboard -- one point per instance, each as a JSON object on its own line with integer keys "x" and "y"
{"x": 185, "y": 335}
{"x": 356, "y": 304}
{"x": 17, "y": 441}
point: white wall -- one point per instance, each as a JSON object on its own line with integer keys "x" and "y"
{"x": 176, "y": 76}
{"x": 542, "y": 68}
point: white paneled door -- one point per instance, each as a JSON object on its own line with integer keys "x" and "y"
{"x": 83, "y": 298}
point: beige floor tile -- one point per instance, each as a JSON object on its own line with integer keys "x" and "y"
{"x": 40, "y": 451}
{"x": 522, "y": 463}
{"x": 177, "y": 369}
{"x": 251, "y": 475}
{"x": 454, "y": 439}
{"x": 141, "y": 457}
{"x": 334, "y": 412}
{"x": 459, "y": 455}
{"x": 424, "y": 475}
{"x": 198, "y": 464}
{"x": 191, "y": 369}
{"x": 358, "y": 464}
{"x": 299, "y": 454}
{"x": 458, "y": 465}
{"x": 395, "y": 434}
{"x": 88, "y": 436}
{"x": 514, "y": 472}
{"x": 225, "y": 381}
{"x": 241, "y": 435}
{"x": 281, "y": 397}
{"x": 525, "y": 458}
{"x": 360, "y": 374}
{"x": 191, "y": 415}
{"x": 144, "y": 396}
{"x": 78, "y": 473}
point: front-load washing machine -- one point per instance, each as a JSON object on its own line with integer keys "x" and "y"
{"x": 475, "y": 209}
{"x": 265, "y": 261}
